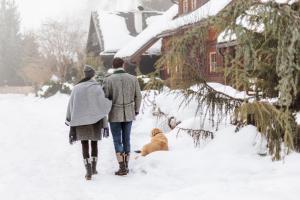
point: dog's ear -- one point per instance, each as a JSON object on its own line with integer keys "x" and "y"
{"x": 155, "y": 131}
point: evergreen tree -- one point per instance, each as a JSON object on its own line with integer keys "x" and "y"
{"x": 266, "y": 60}
{"x": 10, "y": 44}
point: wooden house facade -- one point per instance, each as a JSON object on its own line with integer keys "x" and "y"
{"x": 213, "y": 62}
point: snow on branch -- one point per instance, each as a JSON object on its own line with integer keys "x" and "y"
{"x": 197, "y": 135}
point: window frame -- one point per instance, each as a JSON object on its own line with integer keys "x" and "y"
{"x": 213, "y": 65}
{"x": 194, "y": 4}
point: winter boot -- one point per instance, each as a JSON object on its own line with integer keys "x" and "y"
{"x": 94, "y": 165}
{"x": 122, "y": 165}
{"x": 88, "y": 167}
{"x": 126, "y": 158}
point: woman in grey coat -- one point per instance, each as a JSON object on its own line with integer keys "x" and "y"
{"x": 87, "y": 117}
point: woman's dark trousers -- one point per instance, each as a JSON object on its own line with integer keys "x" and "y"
{"x": 85, "y": 149}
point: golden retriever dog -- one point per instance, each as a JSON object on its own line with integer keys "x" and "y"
{"x": 159, "y": 142}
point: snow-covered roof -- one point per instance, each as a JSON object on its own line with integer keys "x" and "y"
{"x": 211, "y": 8}
{"x": 114, "y": 31}
{"x": 156, "y": 26}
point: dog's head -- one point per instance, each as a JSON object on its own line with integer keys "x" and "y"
{"x": 155, "y": 131}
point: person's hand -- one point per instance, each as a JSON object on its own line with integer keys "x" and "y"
{"x": 106, "y": 132}
{"x": 72, "y": 135}
{"x": 71, "y": 139}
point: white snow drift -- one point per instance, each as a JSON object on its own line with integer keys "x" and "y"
{"x": 38, "y": 163}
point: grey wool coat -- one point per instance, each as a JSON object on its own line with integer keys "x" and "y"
{"x": 87, "y": 111}
{"x": 124, "y": 91}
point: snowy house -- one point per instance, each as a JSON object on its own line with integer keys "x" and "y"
{"x": 147, "y": 42}
{"x": 110, "y": 31}
{"x": 175, "y": 22}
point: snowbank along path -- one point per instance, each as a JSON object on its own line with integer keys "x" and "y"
{"x": 37, "y": 162}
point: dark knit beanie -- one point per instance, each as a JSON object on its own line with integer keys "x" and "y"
{"x": 89, "y": 71}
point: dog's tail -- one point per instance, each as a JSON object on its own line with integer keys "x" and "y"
{"x": 138, "y": 151}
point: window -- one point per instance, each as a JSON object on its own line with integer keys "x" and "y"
{"x": 213, "y": 61}
{"x": 194, "y": 4}
{"x": 185, "y": 6}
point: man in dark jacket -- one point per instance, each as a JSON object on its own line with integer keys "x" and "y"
{"x": 124, "y": 91}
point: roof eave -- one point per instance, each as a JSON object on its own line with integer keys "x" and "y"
{"x": 227, "y": 44}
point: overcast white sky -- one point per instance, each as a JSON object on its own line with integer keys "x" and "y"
{"x": 34, "y": 12}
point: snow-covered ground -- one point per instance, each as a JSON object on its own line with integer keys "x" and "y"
{"x": 38, "y": 163}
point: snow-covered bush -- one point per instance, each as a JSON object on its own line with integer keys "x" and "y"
{"x": 155, "y": 84}
{"x": 100, "y": 77}
{"x": 52, "y": 87}
{"x": 66, "y": 88}
{"x": 151, "y": 83}
{"x": 49, "y": 89}
{"x": 142, "y": 82}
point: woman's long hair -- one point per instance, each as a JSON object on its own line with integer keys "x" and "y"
{"x": 84, "y": 80}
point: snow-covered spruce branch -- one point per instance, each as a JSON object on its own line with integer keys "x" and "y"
{"x": 212, "y": 104}
{"x": 197, "y": 135}
{"x": 147, "y": 101}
